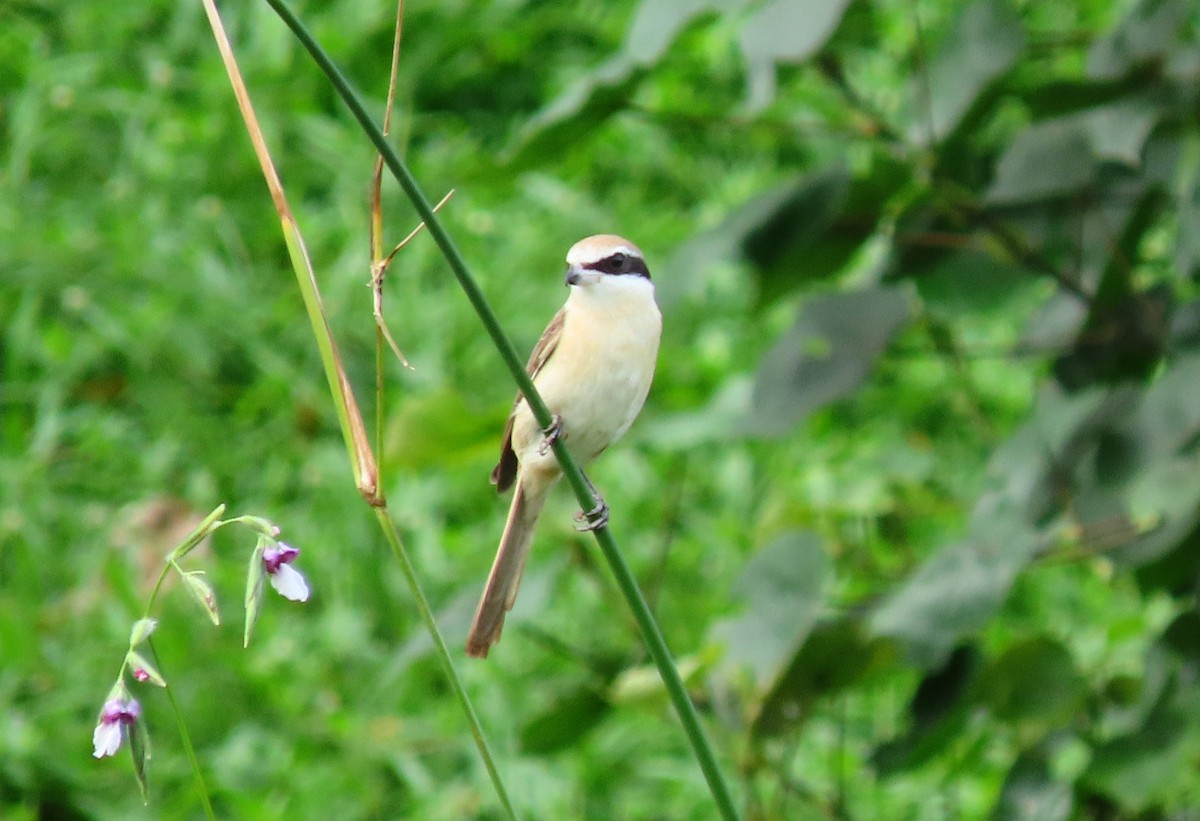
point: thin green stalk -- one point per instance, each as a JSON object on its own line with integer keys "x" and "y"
{"x": 443, "y": 654}
{"x": 211, "y": 522}
{"x": 362, "y": 459}
{"x": 186, "y": 737}
{"x": 651, "y": 634}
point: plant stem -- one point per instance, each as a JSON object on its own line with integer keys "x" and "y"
{"x": 443, "y": 654}
{"x": 651, "y": 634}
{"x": 186, "y": 738}
{"x": 362, "y": 458}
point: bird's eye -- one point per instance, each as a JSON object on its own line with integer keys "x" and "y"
{"x": 617, "y": 262}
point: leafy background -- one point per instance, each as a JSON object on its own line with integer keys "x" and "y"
{"x": 916, "y": 495}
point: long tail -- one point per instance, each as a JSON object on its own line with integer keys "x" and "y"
{"x": 505, "y": 578}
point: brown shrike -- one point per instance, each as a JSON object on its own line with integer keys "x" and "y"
{"x": 593, "y": 367}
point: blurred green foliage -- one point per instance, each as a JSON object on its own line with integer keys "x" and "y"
{"x": 915, "y": 495}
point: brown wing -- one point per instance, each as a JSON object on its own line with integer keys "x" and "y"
{"x": 506, "y": 469}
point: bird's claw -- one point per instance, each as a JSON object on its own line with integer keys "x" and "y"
{"x": 552, "y": 433}
{"x": 593, "y": 519}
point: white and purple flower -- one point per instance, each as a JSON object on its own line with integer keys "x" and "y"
{"x": 116, "y": 719}
{"x": 288, "y": 581}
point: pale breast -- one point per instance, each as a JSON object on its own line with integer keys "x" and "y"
{"x": 597, "y": 380}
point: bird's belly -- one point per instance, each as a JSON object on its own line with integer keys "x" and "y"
{"x": 597, "y": 389}
{"x": 596, "y": 417}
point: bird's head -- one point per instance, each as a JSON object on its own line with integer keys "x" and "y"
{"x": 603, "y": 259}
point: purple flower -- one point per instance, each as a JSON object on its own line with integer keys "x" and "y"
{"x": 277, "y": 560}
{"x": 116, "y": 717}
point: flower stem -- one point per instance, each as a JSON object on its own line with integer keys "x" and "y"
{"x": 210, "y": 523}
{"x": 186, "y": 737}
{"x": 625, "y": 580}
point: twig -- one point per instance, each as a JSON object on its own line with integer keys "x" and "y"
{"x": 379, "y": 270}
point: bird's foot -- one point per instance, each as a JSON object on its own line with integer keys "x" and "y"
{"x": 552, "y": 433}
{"x": 593, "y": 519}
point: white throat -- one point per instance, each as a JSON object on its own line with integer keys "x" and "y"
{"x": 619, "y": 293}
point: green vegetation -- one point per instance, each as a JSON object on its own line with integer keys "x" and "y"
{"x": 915, "y": 498}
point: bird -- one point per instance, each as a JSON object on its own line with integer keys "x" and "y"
{"x": 593, "y": 367}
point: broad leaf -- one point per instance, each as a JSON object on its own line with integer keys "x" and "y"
{"x": 938, "y": 711}
{"x": 784, "y": 31}
{"x": 968, "y": 283}
{"x": 835, "y": 655}
{"x": 720, "y": 245}
{"x": 1144, "y": 36}
{"x": 1153, "y": 764}
{"x": 575, "y": 113}
{"x": 826, "y": 356}
{"x": 1033, "y": 684}
{"x": 956, "y": 591}
{"x": 782, "y": 586}
{"x": 800, "y": 231}
{"x": 984, "y": 42}
{"x": 1048, "y": 159}
{"x": 1032, "y": 793}
{"x": 1059, "y": 157}
{"x": 799, "y": 242}
{"x": 564, "y": 722}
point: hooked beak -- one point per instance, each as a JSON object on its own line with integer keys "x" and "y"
{"x": 574, "y": 275}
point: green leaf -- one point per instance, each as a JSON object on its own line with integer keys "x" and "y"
{"x": 644, "y": 685}
{"x": 938, "y": 710}
{"x": 1031, "y": 793}
{"x": 1167, "y": 490}
{"x": 1169, "y": 413}
{"x": 1058, "y": 157}
{"x": 1187, "y": 251}
{"x": 799, "y": 242}
{"x": 984, "y": 42}
{"x": 1053, "y": 97}
{"x": 969, "y": 283}
{"x": 826, "y": 355}
{"x": 720, "y": 420}
{"x": 1049, "y": 159}
{"x": 725, "y": 243}
{"x": 203, "y": 593}
{"x": 957, "y": 591}
{"x": 141, "y": 630}
{"x": 256, "y": 576}
{"x": 782, "y": 587}
{"x": 835, "y": 655}
{"x": 1182, "y": 636}
{"x": 1144, "y": 36}
{"x": 1151, "y": 765}
{"x": 797, "y": 232}
{"x": 565, "y": 722}
{"x": 784, "y": 31}
{"x": 139, "y": 749}
{"x": 439, "y": 428}
{"x": 573, "y": 116}
{"x": 1034, "y": 682}
{"x": 1118, "y": 132}
{"x": 657, "y": 23}
{"x": 142, "y": 668}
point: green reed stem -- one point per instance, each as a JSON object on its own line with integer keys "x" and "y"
{"x": 651, "y": 634}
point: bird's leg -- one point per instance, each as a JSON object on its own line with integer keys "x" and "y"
{"x": 595, "y": 518}
{"x": 552, "y": 433}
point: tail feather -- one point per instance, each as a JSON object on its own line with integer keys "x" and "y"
{"x": 505, "y": 579}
